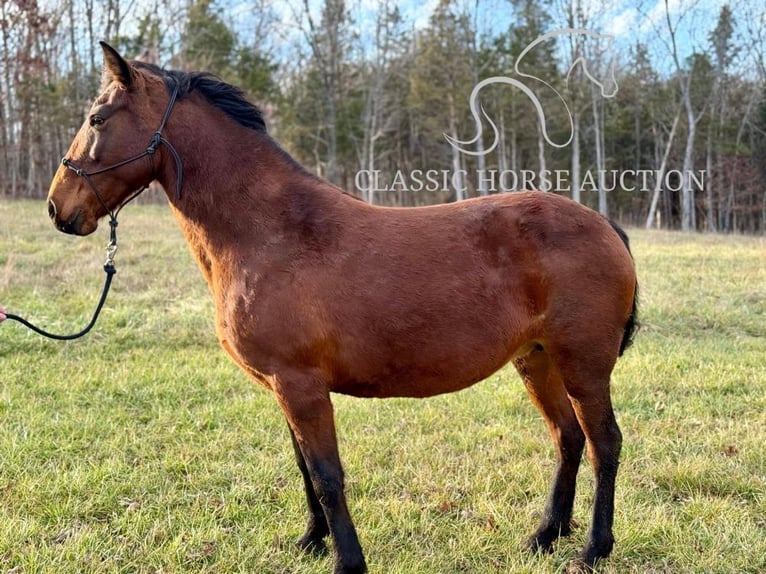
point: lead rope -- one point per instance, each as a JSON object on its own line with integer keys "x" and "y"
{"x": 111, "y": 247}
{"x": 110, "y": 270}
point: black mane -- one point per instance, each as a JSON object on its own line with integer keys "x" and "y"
{"x": 227, "y": 98}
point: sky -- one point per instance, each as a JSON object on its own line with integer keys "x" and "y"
{"x": 629, "y": 21}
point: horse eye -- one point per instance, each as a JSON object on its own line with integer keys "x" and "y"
{"x": 96, "y": 120}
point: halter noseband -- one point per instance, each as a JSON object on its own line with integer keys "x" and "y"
{"x": 154, "y": 143}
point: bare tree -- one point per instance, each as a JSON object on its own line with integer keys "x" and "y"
{"x": 598, "y": 138}
{"x": 660, "y": 173}
{"x": 688, "y": 222}
{"x": 12, "y": 23}
{"x": 720, "y": 39}
{"x": 378, "y": 115}
{"x": 326, "y": 43}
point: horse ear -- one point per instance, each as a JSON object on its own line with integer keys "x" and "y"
{"x": 115, "y": 66}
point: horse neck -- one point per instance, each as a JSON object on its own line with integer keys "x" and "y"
{"x": 237, "y": 182}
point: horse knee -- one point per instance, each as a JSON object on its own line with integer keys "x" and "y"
{"x": 328, "y": 483}
{"x": 604, "y": 449}
{"x": 571, "y": 442}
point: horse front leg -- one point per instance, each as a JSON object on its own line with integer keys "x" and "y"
{"x": 313, "y": 539}
{"x": 307, "y": 406}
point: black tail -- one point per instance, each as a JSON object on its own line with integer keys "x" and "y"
{"x": 632, "y": 325}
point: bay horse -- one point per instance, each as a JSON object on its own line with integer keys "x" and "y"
{"x": 317, "y": 292}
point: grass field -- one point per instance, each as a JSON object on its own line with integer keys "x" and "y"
{"x": 142, "y": 449}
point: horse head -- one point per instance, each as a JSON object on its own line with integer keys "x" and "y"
{"x": 108, "y": 160}
{"x": 607, "y": 82}
{"x": 607, "y": 85}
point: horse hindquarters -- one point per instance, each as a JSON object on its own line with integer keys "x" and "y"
{"x": 585, "y": 323}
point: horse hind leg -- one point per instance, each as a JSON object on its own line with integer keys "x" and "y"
{"x": 546, "y": 389}
{"x": 589, "y": 394}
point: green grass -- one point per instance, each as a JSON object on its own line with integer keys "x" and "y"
{"x": 142, "y": 449}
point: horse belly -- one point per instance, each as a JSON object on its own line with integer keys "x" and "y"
{"x": 434, "y": 362}
{"x": 413, "y": 384}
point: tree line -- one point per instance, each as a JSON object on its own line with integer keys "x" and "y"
{"x": 661, "y": 125}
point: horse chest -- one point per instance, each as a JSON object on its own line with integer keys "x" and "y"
{"x": 256, "y": 321}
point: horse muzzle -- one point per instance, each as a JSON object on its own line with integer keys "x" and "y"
{"x": 75, "y": 224}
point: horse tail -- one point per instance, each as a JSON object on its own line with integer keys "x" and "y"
{"x": 632, "y": 325}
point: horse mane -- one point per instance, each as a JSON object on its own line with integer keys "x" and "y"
{"x": 226, "y": 97}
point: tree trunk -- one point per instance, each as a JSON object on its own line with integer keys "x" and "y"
{"x": 457, "y": 179}
{"x": 481, "y": 160}
{"x": 708, "y": 188}
{"x": 11, "y": 115}
{"x": 660, "y": 175}
{"x": 91, "y": 38}
{"x": 371, "y": 157}
{"x": 514, "y": 138}
{"x": 575, "y": 175}
{"x": 326, "y": 47}
{"x": 598, "y": 134}
{"x": 332, "y": 158}
{"x": 541, "y": 154}
{"x": 687, "y": 193}
{"x": 685, "y": 83}
{"x": 502, "y": 156}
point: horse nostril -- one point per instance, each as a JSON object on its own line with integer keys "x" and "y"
{"x": 51, "y": 209}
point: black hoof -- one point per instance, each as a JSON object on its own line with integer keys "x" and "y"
{"x": 543, "y": 540}
{"x": 312, "y": 545}
{"x": 590, "y": 556}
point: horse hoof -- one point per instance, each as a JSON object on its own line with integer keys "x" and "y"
{"x": 590, "y": 556}
{"x": 539, "y": 544}
{"x": 543, "y": 540}
{"x": 313, "y": 546}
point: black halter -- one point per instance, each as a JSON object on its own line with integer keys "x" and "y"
{"x": 111, "y": 248}
{"x": 149, "y": 152}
